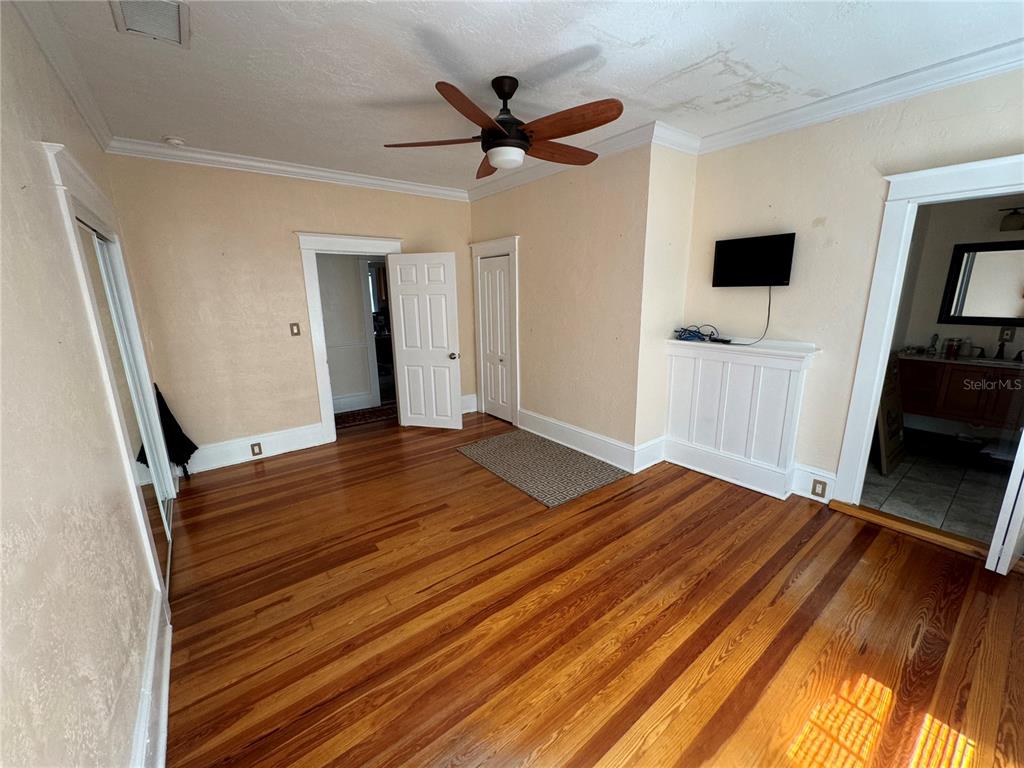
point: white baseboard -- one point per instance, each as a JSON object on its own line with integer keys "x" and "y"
{"x": 149, "y": 739}
{"x": 469, "y": 403}
{"x": 758, "y": 477}
{"x": 229, "y": 452}
{"x": 631, "y": 458}
{"x": 356, "y": 402}
{"x": 803, "y": 476}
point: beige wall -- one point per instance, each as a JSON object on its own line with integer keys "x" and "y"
{"x": 943, "y": 226}
{"x": 825, "y": 182}
{"x": 671, "y": 188}
{"x": 216, "y": 268}
{"x": 581, "y": 249}
{"x": 76, "y": 592}
{"x": 341, "y": 297}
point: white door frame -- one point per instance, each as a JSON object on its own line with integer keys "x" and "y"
{"x": 310, "y": 244}
{"x": 503, "y": 246}
{"x": 907, "y": 191}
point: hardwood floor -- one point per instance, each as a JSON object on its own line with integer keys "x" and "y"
{"x": 384, "y": 601}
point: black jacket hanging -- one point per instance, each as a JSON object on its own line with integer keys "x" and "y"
{"x": 179, "y": 447}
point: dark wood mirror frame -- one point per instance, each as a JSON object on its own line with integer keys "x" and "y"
{"x": 960, "y": 250}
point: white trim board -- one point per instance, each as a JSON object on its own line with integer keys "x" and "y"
{"x": 631, "y": 458}
{"x": 152, "y": 150}
{"x": 237, "y": 451}
{"x": 149, "y": 739}
{"x": 469, "y": 403}
{"x": 354, "y": 402}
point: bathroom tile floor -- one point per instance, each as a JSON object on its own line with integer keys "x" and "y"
{"x": 953, "y": 496}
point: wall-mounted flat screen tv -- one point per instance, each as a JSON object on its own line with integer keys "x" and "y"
{"x": 748, "y": 261}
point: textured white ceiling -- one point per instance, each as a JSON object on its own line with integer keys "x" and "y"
{"x": 326, "y": 84}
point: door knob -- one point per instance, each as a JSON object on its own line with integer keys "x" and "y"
{"x": 501, "y": 359}
{"x": 454, "y": 355}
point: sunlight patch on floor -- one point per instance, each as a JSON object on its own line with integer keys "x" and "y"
{"x": 841, "y": 733}
{"x": 939, "y": 746}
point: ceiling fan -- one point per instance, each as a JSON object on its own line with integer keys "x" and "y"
{"x": 507, "y": 140}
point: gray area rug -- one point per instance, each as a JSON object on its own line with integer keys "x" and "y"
{"x": 547, "y": 471}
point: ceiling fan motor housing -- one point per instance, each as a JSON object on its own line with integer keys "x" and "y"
{"x": 504, "y": 88}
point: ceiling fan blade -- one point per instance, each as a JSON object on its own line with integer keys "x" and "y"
{"x": 574, "y": 120}
{"x": 485, "y": 169}
{"x": 438, "y": 143}
{"x": 554, "y": 152}
{"x": 464, "y": 105}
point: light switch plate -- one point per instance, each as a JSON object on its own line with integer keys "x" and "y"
{"x": 1007, "y": 332}
{"x": 256, "y": 448}
{"x": 295, "y": 329}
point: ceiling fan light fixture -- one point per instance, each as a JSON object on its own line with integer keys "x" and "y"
{"x": 506, "y": 157}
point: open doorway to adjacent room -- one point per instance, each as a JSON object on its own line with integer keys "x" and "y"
{"x": 357, "y": 334}
{"x": 953, "y": 402}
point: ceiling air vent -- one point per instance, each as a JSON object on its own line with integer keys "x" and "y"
{"x": 165, "y": 20}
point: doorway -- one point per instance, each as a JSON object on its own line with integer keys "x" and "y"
{"x": 348, "y": 376}
{"x": 357, "y": 335}
{"x": 935, "y": 420}
{"x": 495, "y": 271}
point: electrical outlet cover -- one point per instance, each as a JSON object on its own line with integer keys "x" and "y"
{"x": 1007, "y": 332}
{"x": 256, "y": 448}
{"x": 819, "y": 488}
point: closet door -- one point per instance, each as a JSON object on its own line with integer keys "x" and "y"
{"x": 495, "y": 331}
{"x": 135, "y": 399}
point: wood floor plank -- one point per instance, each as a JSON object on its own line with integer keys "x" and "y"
{"x": 385, "y": 601}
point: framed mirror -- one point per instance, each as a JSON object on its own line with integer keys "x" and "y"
{"x": 985, "y": 284}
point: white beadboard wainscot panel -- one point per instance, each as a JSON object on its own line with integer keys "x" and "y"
{"x": 733, "y": 410}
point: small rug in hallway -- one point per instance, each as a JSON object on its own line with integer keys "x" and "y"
{"x": 547, "y": 471}
{"x": 366, "y": 415}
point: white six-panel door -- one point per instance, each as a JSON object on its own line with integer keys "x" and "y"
{"x": 425, "y": 328}
{"x": 496, "y": 322}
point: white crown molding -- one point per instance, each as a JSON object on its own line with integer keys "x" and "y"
{"x": 53, "y": 43}
{"x": 152, "y": 150}
{"x": 676, "y": 138}
{"x": 964, "y": 69}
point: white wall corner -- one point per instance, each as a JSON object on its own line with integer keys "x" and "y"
{"x": 804, "y": 477}
{"x": 53, "y": 42}
{"x": 648, "y": 454}
{"x": 469, "y": 403}
{"x": 675, "y": 138}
